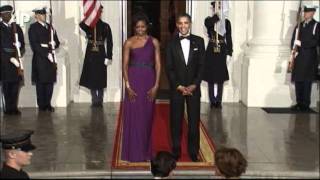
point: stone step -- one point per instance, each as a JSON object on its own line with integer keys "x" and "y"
{"x": 180, "y": 174}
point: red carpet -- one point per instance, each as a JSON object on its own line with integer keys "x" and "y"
{"x": 162, "y": 142}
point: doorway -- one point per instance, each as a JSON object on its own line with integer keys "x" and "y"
{"x": 162, "y": 18}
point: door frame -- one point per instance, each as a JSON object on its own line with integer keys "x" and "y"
{"x": 124, "y": 20}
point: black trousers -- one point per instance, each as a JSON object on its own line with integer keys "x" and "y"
{"x": 218, "y": 97}
{"x": 303, "y": 92}
{"x": 97, "y": 96}
{"x": 44, "y": 94}
{"x": 11, "y": 94}
{"x": 177, "y": 106}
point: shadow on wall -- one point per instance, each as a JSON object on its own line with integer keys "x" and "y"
{"x": 281, "y": 66}
{"x": 235, "y": 69}
{"x": 70, "y": 48}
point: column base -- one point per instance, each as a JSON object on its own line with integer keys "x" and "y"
{"x": 266, "y": 82}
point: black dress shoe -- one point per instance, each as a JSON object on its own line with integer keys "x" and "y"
{"x": 16, "y": 112}
{"x": 96, "y": 105}
{"x": 305, "y": 108}
{"x": 218, "y": 105}
{"x": 50, "y": 109}
{"x": 8, "y": 112}
{"x": 296, "y": 107}
{"x": 176, "y": 156}
{"x": 194, "y": 159}
{"x": 41, "y": 108}
{"x": 212, "y": 105}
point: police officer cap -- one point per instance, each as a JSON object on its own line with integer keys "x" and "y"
{"x": 40, "y": 10}
{"x": 19, "y": 140}
{"x": 309, "y": 8}
{"x": 6, "y": 8}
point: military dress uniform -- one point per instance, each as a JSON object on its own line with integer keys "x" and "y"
{"x": 216, "y": 71}
{"x": 305, "y": 67}
{"x": 9, "y": 71}
{"x": 8, "y": 172}
{"x": 94, "y": 71}
{"x": 16, "y": 140}
{"x": 44, "y": 71}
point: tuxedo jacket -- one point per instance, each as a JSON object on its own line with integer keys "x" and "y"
{"x": 178, "y": 71}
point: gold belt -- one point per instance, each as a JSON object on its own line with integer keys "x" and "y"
{"x": 97, "y": 42}
{"x": 219, "y": 41}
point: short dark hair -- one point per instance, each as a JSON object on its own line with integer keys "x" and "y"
{"x": 184, "y": 15}
{"x": 162, "y": 164}
{"x": 230, "y": 162}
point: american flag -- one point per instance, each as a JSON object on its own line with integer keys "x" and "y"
{"x": 92, "y": 12}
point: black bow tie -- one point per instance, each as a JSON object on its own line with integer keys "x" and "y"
{"x": 184, "y": 37}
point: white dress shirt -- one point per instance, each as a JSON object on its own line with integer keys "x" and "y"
{"x": 5, "y": 24}
{"x": 185, "y": 45}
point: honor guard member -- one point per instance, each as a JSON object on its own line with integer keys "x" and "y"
{"x": 219, "y": 47}
{"x": 97, "y": 58}
{"x": 17, "y": 149}
{"x": 44, "y": 66}
{"x": 305, "y": 64}
{"x": 10, "y": 65}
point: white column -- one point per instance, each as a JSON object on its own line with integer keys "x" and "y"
{"x": 265, "y": 80}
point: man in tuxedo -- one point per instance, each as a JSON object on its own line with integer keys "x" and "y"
{"x": 184, "y": 67}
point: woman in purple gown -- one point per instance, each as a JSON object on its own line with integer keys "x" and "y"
{"x": 141, "y": 71}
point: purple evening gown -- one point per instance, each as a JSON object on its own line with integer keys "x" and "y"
{"x": 138, "y": 115}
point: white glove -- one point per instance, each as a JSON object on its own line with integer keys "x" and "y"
{"x": 50, "y": 57}
{"x": 294, "y": 53}
{"x": 107, "y": 61}
{"x": 18, "y": 44}
{"x": 53, "y": 43}
{"x": 297, "y": 42}
{"x": 14, "y": 61}
{"x": 229, "y": 58}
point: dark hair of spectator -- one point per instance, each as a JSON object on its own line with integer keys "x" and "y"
{"x": 230, "y": 162}
{"x": 162, "y": 164}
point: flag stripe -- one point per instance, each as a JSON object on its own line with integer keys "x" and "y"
{"x": 91, "y": 12}
{"x": 88, "y": 7}
{"x": 93, "y": 16}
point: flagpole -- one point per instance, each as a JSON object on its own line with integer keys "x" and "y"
{"x": 216, "y": 48}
